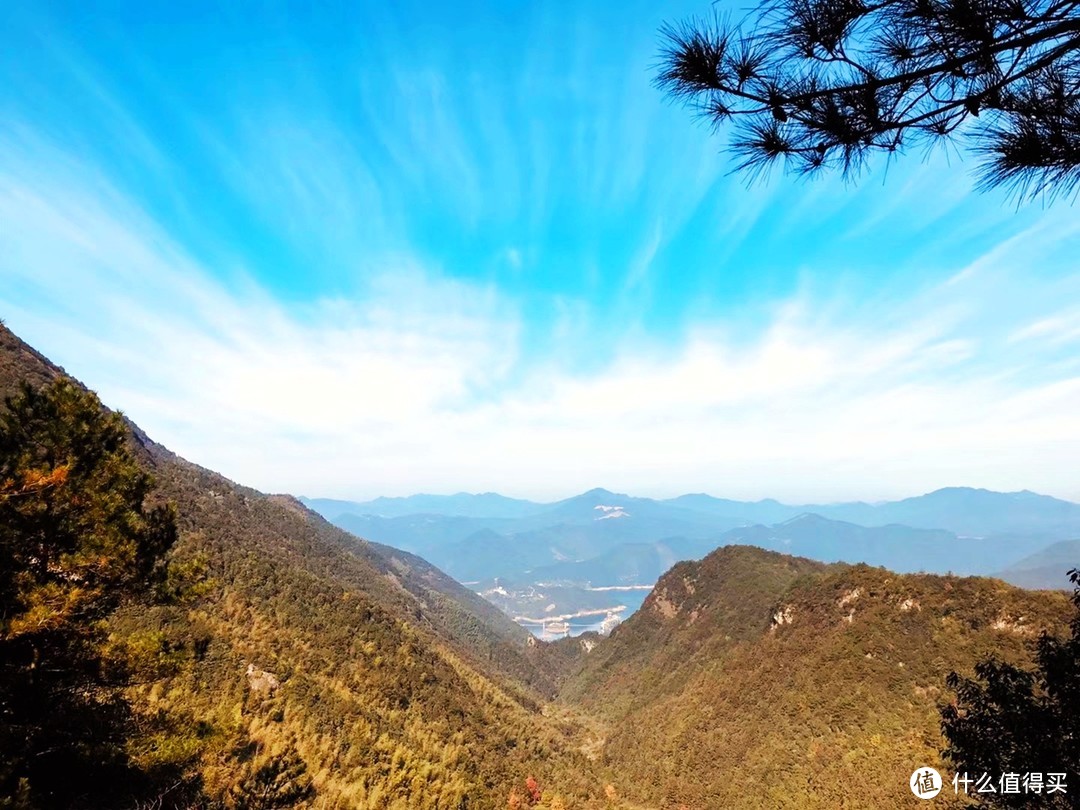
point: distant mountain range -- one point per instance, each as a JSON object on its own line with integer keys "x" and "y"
{"x": 463, "y": 504}
{"x": 900, "y": 548}
{"x": 524, "y": 555}
{"x": 966, "y": 511}
{"x": 1047, "y": 568}
{"x": 962, "y": 510}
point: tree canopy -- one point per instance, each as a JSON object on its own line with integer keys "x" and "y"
{"x": 824, "y": 84}
{"x": 77, "y": 540}
{"x": 1010, "y": 719}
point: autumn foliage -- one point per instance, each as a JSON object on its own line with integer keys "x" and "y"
{"x": 530, "y": 797}
{"x": 532, "y": 791}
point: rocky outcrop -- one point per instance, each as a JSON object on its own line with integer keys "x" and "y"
{"x": 262, "y": 682}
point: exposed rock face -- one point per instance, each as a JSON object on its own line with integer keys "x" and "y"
{"x": 663, "y": 604}
{"x": 1008, "y": 625}
{"x": 783, "y": 616}
{"x": 260, "y": 682}
{"x": 849, "y": 597}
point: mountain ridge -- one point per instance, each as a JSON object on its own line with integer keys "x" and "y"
{"x": 1046, "y": 569}
{"x": 574, "y": 543}
{"x": 749, "y": 678}
{"x": 756, "y": 679}
{"x": 397, "y": 685}
{"x": 699, "y": 501}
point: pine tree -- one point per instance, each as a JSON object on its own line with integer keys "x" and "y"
{"x": 77, "y": 540}
{"x": 822, "y": 84}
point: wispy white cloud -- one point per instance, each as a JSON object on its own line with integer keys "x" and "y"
{"x": 422, "y": 383}
{"x": 1059, "y": 328}
{"x": 568, "y": 181}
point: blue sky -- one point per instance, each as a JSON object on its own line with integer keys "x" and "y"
{"x": 387, "y": 248}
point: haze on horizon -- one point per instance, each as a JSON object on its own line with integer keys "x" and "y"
{"x": 657, "y": 494}
{"x": 380, "y": 251}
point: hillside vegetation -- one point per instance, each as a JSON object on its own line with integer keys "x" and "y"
{"x": 376, "y": 680}
{"x": 754, "y": 679}
{"x": 278, "y": 661}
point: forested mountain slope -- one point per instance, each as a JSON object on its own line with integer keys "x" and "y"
{"x": 754, "y": 679}
{"x": 395, "y": 686}
{"x": 748, "y": 679}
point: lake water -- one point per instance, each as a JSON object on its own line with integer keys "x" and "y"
{"x": 596, "y": 622}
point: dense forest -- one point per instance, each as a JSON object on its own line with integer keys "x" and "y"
{"x": 782, "y": 682}
{"x": 171, "y": 639}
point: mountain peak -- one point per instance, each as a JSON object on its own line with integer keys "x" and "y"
{"x": 600, "y": 492}
{"x": 807, "y": 519}
{"x": 598, "y": 495}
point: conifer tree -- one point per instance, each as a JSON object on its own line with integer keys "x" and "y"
{"x": 78, "y": 539}
{"x": 823, "y": 84}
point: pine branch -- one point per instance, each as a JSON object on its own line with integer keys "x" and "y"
{"x": 826, "y": 82}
